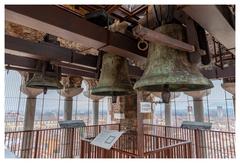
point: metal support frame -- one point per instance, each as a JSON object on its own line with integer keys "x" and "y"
{"x": 28, "y": 64}
{"x": 73, "y": 28}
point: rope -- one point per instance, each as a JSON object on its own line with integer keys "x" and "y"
{"x": 76, "y": 108}
{"x": 175, "y": 110}
{"x": 59, "y": 103}
{"x": 160, "y": 109}
{"x": 42, "y": 110}
{"x": 88, "y": 106}
{"x": 208, "y": 109}
{"x": 189, "y": 116}
{"x": 19, "y": 102}
{"x": 102, "y": 111}
{"x": 225, "y": 95}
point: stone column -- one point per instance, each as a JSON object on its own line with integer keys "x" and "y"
{"x": 199, "y": 116}
{"x": 95, "y": 106}
{"x": 92, "y": 83}
{"x": 32, "y": 93}
{"x": 229, "y": 86}
{"x": 148, "y": 117}
{"x": 110, "y": 112}
{"x": 29, "y": 116}
{"x": 168, "y": 115}
{"x": 69, "y": 93}
{"x": 68, "y": 108}
{"x": 128, "y": 106}
{"x": 168, "y": 112}
{"x": 198, "y": 103}
{"x": 71, "y": 88}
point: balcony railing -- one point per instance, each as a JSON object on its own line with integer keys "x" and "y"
{"x": 205, "y": 143}
{"x": 159, "y": 142}
{"x": 51, "y": 143}
{"x": 154, "y": 147}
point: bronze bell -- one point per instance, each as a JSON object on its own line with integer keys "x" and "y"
{"x": 114, "y": 80}
{"x": 48, "y": 78}
{"x": 168, "y": 69}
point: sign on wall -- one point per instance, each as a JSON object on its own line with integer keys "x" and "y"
{"x": 145, "y": 107}
{"x": 119, "y": 116}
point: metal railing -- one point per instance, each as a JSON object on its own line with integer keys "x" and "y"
{"x": 90, "y": 151}
{"x": 154, "y": 146}
{"x": 205, "y": 143}
{"x": 62, "y": 143}
{"x": 179, "y": 150}
{"x": 51, "y": 143}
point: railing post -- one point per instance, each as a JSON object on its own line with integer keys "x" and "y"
{"x": 165, "y": 127}
{"x": 36, "y": 145}
{"x": 71, "y": 152}
{"x": 190, "y": 150}
{"x": 196, "y": 136}
{"x": 99, "y": 129}
{"x": 157, "y": 146}
{"x": 82, "y": 149}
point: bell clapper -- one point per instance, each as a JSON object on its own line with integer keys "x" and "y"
{"x": 44, "y": 90}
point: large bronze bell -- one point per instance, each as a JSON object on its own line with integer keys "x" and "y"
{"x": 168, "y": 69}
{"x": 48, "y": 78}
{"x": 114, "y": 80}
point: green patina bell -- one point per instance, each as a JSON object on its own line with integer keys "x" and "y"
{"x": 48, "y": 78}
{"x": 114, "y": 80}
{"x": 168, "y": 69}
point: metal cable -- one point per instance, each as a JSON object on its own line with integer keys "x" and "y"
{"x": 102, "y": 111}
{"x": 76, "y": 108}
{"x": 19, "y": 102}
{"x": 42, "y": 110}
{"x": 59, "y": 103}
{"x": 208, "y": 109}
{"x": 189, "y": 116}
{"x": 226, "y": 110}
{"x": 160, "y": 109}
{"x": 175, "y": 110}
{"x": 88, "y": 106}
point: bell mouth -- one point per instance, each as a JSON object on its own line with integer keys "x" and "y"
{"x": 174, "y": 87}
{"x": 43, "y": 85}
{"x": 180, "y": 83}
{"x": 106, "y": 91}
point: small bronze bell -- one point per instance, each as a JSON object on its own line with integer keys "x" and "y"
{"x": 114, "y": 80}
{"x": 48, "y": 78}
{"x": 168, "y": 69}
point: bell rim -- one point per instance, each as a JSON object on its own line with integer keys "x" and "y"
{"x": 180, "y": 88}
{"x": 105, "y": 91}
{"x": 32, "y": 85}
